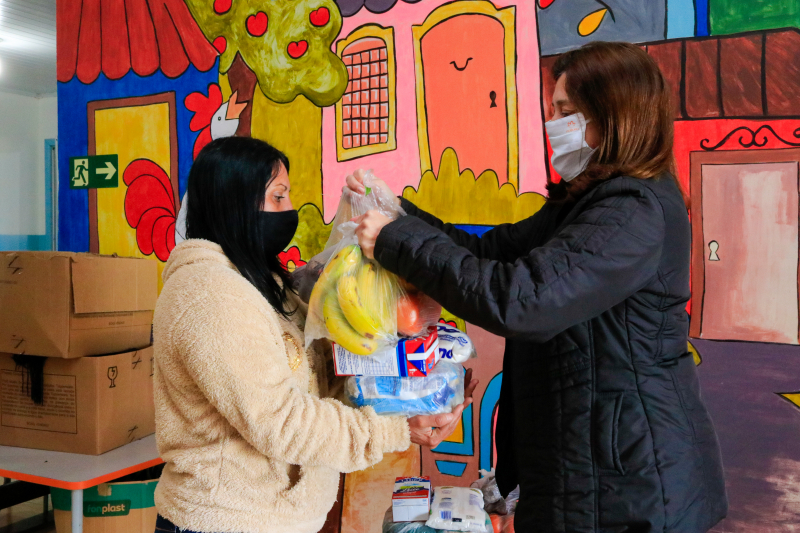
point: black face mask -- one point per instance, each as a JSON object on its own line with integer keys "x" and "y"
{"x": 278, "y": 229}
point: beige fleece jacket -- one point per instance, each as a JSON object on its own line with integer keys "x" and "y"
{"x": 249, "y": 445}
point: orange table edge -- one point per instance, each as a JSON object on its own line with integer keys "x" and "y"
{"x": 78, "y": 485}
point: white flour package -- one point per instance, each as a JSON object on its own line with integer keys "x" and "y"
{"x": 454, "y": 345}
{"x": 458, "y": 509}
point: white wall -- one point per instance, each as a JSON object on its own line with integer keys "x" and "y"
{"x": 25, "y": 122}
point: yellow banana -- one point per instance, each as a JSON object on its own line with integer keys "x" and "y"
{"x": 378, "y": 290}
{"x": 353, "y": 307}
{"x": 344, "y": 260}
{"x": 340, "y": 330}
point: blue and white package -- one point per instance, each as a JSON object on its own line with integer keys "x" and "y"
{"x": 454, "y": 344}
{"x": 438, "y": 392}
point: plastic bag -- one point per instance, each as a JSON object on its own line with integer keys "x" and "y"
{"x": 458, "y": 509}
{"x": 502, "y": 524}
{"x": 439, "y": 392}
{"x": 512, "y": 499}
{"x": 454, "y": 344}
{"x": 417, "y": 527}
{"x": 416, "y": 312}
{"x": 354, "y": 301}
{"x": 493, "y": 501}
{"x": 389, "y": 526}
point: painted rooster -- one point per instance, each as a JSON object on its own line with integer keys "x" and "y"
{"x": 150, "y": 207}
{"x": 213, "y": 118}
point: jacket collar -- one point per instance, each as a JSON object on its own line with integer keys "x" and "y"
{"x": 194, "y": 252}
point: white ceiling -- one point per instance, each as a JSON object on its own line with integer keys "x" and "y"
{"x": 28, "y": 47}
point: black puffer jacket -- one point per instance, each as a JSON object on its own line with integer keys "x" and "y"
{"x": 601, "y": 422}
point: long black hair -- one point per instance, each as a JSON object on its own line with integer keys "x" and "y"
{"x": 227, "y": 185}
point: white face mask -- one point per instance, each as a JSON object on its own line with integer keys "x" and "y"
{"x": 567, "y": 137}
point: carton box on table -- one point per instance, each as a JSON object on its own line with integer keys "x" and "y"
{"x": 69, "y": 305}
{"x": 411, "y": 358}
{"x": 91, "y": 405}
{"x": 411, "y": 499}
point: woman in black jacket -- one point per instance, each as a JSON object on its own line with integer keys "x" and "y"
{"x": 601, "y": 421}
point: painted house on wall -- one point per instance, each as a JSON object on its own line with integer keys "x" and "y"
{"x": 433, "y": 75}
{"x": 737, "y": 147}
{"x": 124, "y": 74}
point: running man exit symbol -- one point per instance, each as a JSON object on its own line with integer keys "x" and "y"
{"x": 94, "y": 172}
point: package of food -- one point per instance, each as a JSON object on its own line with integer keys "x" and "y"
{"x": 354, "y": 301}
{"x": 458, "y": 509}
{"x": 390, "y": 526}
{"x": 411, "y": 499}
{"x": 409, "y": 358}
{"x": 454, "y": 344}
{"x": 441, "y": 391}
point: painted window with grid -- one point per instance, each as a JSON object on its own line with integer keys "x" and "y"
{"x": 365, "y": 114}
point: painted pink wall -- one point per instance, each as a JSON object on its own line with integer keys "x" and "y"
{"x": 401, "y": 167}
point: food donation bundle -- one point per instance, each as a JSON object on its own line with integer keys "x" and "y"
{"x": 439, "y": 392}
{"x": 355, "y": 302}
{"x": 385, "y": 332}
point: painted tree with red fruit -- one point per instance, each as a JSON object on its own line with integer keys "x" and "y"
{"x": 285, "y": 47}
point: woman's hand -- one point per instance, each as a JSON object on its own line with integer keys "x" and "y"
{"x": 431, "y": 430}
{"x": 369, "y": 227}
{"x": 355, "y": 182}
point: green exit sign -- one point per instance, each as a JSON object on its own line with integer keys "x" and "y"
{"x": 94, "y": 172}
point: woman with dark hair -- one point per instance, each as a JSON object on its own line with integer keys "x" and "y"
{"x": 245, "y": 420}
{"x": 601, "y": 421}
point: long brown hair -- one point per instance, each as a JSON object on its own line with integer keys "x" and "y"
{"x": 621, "y": 89}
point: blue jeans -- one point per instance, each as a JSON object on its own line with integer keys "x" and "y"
{"x": 165, "y": 526}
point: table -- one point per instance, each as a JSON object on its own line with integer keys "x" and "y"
{"x": 75, "y": 472}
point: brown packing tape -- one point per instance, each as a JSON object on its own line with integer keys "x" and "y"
{"x": 138, "y": 521}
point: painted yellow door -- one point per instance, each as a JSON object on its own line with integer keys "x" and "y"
{"x": 139, "y": 132}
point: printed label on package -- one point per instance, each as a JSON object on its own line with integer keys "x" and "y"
{"x": 58, "y": 414}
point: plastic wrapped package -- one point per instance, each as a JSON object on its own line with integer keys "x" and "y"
{"x": 354, "y": 301}
{"x": 458, "y": 509}
{"x": 454, "y": 344}
{"x": 420, "y": 527}
{"x": 390, "y": 526}
{"x": 441, "y": 391}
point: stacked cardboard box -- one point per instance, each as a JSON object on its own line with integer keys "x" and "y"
{"x": 75, "y": 334}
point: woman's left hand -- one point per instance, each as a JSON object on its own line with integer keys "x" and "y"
{"x": 369, "y": 227}
{"x": 431, "y": 430}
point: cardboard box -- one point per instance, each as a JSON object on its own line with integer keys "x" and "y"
{"x": 91, "y": 405}
{"x": 411, "y": 499}
{"x": 72, "y": 305}
{"x": 409, "y": 359}
{"x": 110, "y": 508}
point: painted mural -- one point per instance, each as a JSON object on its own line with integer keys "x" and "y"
{"x": 446, "y": 101}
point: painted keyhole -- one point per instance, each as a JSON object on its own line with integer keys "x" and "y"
{"x": 713, "y": 246}
{"x": 493, "y": 96}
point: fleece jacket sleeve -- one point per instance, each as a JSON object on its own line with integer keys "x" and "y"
{"x": 236, "y": 355}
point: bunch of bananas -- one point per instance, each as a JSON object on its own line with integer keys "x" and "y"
{"x": 357, "y": 300}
